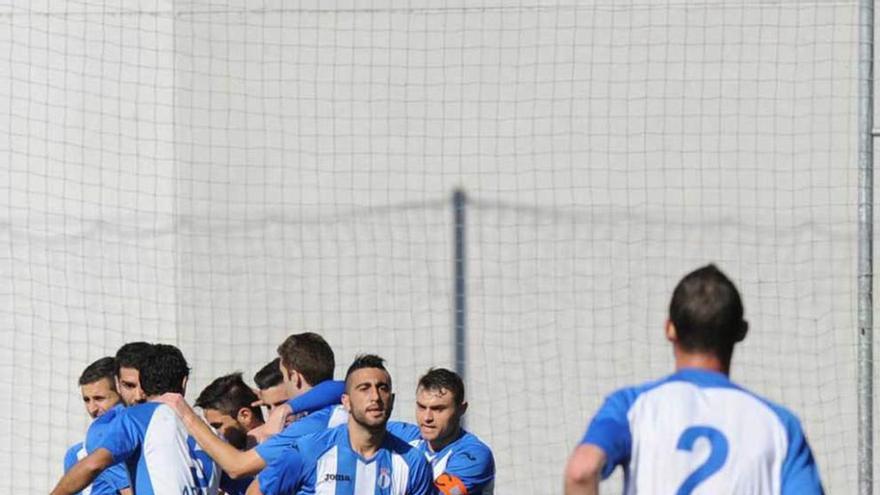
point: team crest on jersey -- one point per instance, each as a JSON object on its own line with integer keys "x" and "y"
{"x": 384, "y": 479}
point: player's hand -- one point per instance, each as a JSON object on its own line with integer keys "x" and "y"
{"x": 279, "y": 417}
{"x": 176, "y": 402}
{"x": 259, "y": 402}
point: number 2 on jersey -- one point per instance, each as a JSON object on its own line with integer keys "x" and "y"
{"x": 717, "y": 455}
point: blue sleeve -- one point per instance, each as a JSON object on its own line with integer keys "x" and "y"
{"x": 800, "y": 476}
{"x": 70, "y": 457}
{"x": 404, "y": 431}
{"x": 115, "y": 477}
{"x": 421, "y": 479}
{"x": 474, "y": 467}
{"x": 120, "y": 437}
{"x": 271, "y": 449}
{"x": 609, "y": 430}
{"x": 284, "y": 476}
{"x": 326, "y": 393}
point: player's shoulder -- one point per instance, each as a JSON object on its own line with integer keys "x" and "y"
{"x": 314, "y": 444}
{"x": 471, "y": 446}
{"x": 401, "y": 447}
{"x": 72, "y": 455}
{"x": 406, "y": 431}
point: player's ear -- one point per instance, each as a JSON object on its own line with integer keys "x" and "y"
{"x": 744, "y": 329}
{"x": 183, "y": 385}
{"x": 346, "y": 402}
{"x": 244, "y": 416}
{"x": 671, "y": 332}
{"x": 462, "y": 408}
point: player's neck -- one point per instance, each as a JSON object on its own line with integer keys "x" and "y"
{"x": 440, "y": 443}
{"x": 365, "y": 441}
{"x": 700, "y": 360}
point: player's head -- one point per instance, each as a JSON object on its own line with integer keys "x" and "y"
{"x": 226, "y": 403}
{"x": 368, "y": 396}
{"x": 306, "y": 360}
{"x": 706, "y": 314}
{"x": 165, "y": 370}
{"x": 97, "y": 383}
{"x": 270, "y": 381}
{"x": 440, "y": 405}
{"x": 130, "y": 359}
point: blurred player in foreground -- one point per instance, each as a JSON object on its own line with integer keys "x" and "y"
{"x": 462, "y": 464}
{"x": 695, "y": 431}
{"x": 98, "y": 387}
{"x": 360, "y": 457}
{"x": 150, "y": 440}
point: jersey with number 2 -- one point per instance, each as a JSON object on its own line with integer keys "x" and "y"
{"x": 696, "y": 432}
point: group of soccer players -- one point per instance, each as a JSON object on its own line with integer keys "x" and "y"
{"x": 692, "y": 432}
{"x": 321, "y": 436}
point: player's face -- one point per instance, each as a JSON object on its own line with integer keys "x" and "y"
{"x": 233, "y": 431}
{"x": 274, "y": 396}
{"x": 130, "y": 386}
{"x": 99, "y": 397}
{"x": 438, "y": 416}
{"x": 368, "y": 397}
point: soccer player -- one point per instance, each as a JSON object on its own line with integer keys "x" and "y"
{"x": 695, "y": 431}
{"x": 129, "y": 359}
{"x": 462, "y": 464}
{"x": 306, "y": 360}
{"x": 150, "y": 440}
{"x": 273, "y": 391}
{"x": 360, "y": 457}
{"x": 98, "y": 387}
{"x": 226, "y": 405}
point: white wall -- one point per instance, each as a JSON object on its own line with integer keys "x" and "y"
{"x": 218, "y": 175}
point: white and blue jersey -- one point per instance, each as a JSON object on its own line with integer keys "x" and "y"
{"x": 160, "y": 457}
{"x": 465, "y": 464}
{"x": 318, "y": 421}
{"x": 697, "y": 432}
{"x": 325, "y": 464}
{"x": 113, "y": 479}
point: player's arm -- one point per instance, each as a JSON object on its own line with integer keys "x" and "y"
{"x": 84, "y": 472}
{"x": 233, "y": 461}
{"x": 126, "y": 491}
{"x": 324, "y": 394}
{"x": 800, "y": 475}
{"x": 584, "y": 470}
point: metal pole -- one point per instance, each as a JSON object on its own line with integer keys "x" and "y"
{"x": 460, "y": 315}
{"x": 866, "y": 234}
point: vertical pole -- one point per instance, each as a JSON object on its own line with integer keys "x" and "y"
{"x": 460, "y": 315}
{"x": 865, "y": 235}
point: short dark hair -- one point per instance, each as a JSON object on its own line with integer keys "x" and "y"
{"x": 309, "y": 355}
{"x": 365, "y": 361}
{"x": 707, "y": 312}
{"x": 228, "y": 394}
{"x": 438, "y": 379}
{"x": 164, "y": 370}
{"x": 132, "y": 355}
{"x": 104, "y": 368}
{"x": 269, "y": 375}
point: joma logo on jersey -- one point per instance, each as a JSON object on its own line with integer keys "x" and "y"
{"x": 337, "y": 477}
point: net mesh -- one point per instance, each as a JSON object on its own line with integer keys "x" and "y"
{"x": 220, "y": 174}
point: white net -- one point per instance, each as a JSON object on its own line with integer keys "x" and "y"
{"x": 220, "y": 174}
